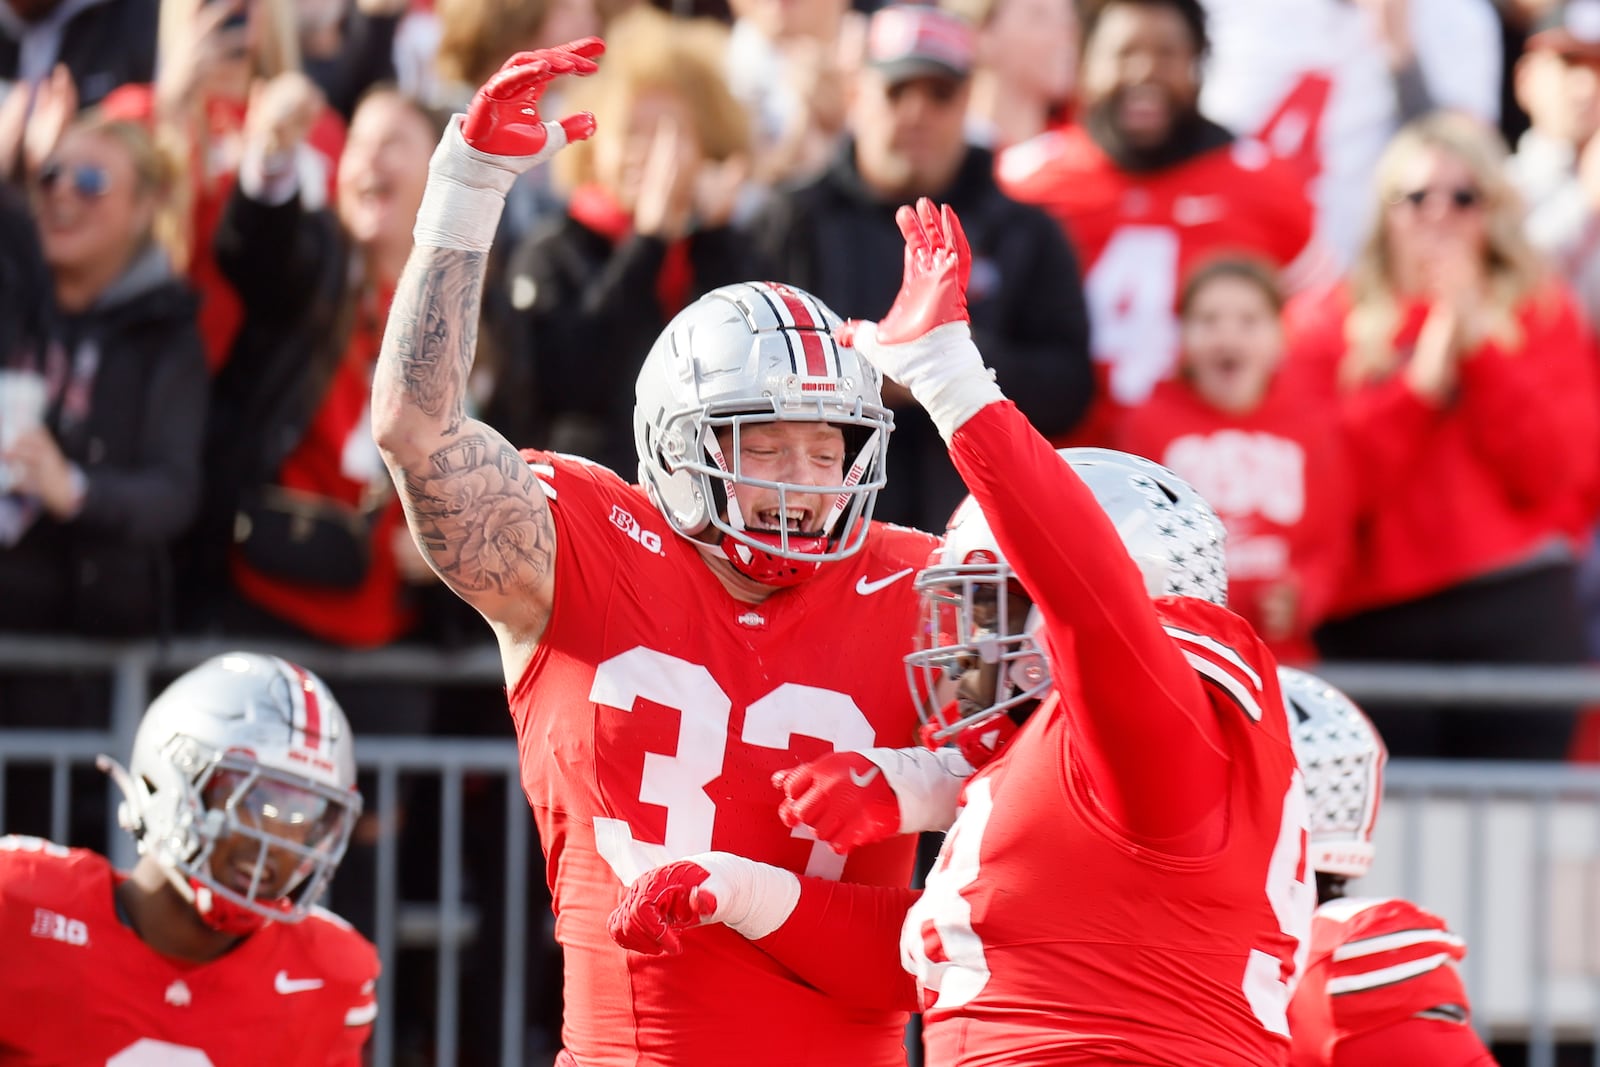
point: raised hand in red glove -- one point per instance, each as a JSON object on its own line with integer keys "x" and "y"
{"x": 843, "y": 797}
{"x": 659, "y": 906}
{"x": 925, "y": 341}
{"x": 933, "y": 284}
{"x": 503, "y": 118}
{"x": 500, "y": 137}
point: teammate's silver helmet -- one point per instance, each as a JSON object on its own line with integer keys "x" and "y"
{"x": 756, "y": 352}
{"x": 243, "y": 745}
{"x": 1342, "y": 758}
{"x": 969, "y": 591}
{"x": 1168, "y": 528}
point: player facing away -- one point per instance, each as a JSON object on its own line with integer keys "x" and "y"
{"x": 1125, "y": 879}
{"x": 667, "y": 646}
{"x": 211, "y": 951}
{"x": 1381, "y": 987}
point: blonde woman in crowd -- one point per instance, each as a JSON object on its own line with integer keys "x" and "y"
{"x": 93, "y": 496}
{"x": 646, "y": 230}
{"x": 1466, "y": 383}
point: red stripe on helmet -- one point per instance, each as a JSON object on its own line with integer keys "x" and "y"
{"x": 308, "y": 689}
{"x": 809, "y": 329}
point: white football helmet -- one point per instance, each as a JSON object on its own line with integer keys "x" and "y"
{"x": 1168, "y": 528}
{"x": 972, "y": 603}
{"x": 250, "y": 746}
{"x": 757, "y": 352}
{"x": 1341, "y": 757}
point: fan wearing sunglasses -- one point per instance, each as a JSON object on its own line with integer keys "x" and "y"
{"x": 1466, "y": 385}
{"x": 105, "y": 471}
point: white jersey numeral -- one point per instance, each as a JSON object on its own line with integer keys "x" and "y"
{"x": 677, "y": 781}
{"x": 1269, "y": 978}
{"x": 937, "y": 943}
{"x": 148, "y": 1052}
{"x": 1132, "y": 294}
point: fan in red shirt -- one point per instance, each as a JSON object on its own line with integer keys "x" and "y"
{"x": 1466, "y": 381}
{"x": 1147, "y": 187}
{"x": 1125, "y": 878}
{"x": 667, "y": 645}
{"x": 1381, "y": 987}
{"x": 1266, "y": 453}
{"x": 241, "y": 792}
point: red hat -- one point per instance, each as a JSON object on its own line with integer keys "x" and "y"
{"x": 906, "y": 41}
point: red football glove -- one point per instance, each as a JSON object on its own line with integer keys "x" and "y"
{"x": 843, "y": 797}
{"x": 933, "y": 287}
{"x": 503, "y": 118}
{"x": 659, "y": 906}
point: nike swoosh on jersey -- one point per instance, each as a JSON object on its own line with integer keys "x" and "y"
{"x": 866, "y": 588}
{"x": 863, "y": 780}
{"x": 286, "y": 985}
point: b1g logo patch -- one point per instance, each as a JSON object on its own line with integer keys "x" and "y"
{"x": 52, "y": 927}
{"x": 624, "y": 521}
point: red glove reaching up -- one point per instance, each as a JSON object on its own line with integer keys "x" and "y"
{"x": 500, "y": 137}
{"x": 503, "y": 118}
{"x": 925, "y": 342}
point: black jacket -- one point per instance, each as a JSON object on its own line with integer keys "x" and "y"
{"x": 104, "y": 43}
{"x": 290, "y": 268}
{"x": 834, "y": 237}
{"x": 108, "y": 570}
{"x": 587, "y": 314}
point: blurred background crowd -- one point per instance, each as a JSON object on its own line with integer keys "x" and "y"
{"x": 1334, "y": 261}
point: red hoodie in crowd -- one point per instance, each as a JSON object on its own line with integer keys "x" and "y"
{"x": 1279, "y": 478}
{"x": 1508, "y": 466}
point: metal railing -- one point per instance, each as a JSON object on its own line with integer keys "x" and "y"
{"x": 1508, "y": 853}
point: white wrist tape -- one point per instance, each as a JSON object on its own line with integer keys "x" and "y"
{"x": 942, "y": 368}
{"x": 467, "y": 189}
{"x": 927, "y": 784}
{"x": 753, "y": 899}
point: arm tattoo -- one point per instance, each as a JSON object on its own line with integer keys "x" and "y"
{"x": 480, "y": 517}
{"x": 435, "y": 330}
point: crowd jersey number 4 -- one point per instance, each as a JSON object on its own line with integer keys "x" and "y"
{"x": 676, "y": 781}
{"x": 1132, "y": 293}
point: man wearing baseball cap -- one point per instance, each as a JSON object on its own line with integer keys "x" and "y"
{"x": 835, "y": 236}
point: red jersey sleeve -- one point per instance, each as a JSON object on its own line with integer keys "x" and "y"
{"x": 844, "y": 939}
{"x": 349, "y": 962}
{"x": 1392, "y": 960}
{"x": 1153, "y": 752}
{"x": 1436, "y": 1042}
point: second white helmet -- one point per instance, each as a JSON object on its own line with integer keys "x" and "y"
{"x": 1341, "y": 757}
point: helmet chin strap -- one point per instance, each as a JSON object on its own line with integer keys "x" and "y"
{"x": 224, "y": 915}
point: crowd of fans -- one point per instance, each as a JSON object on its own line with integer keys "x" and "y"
{"x": 1300, "y": 269}
{"x": 1299, "y": 266}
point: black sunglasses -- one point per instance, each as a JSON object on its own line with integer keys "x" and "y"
{"x": 88, "y": 181}
{"x": 1462, "y": 198}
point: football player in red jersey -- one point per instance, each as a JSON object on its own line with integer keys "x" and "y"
{"x": 1147, "y": 187}
{"x": 667, "y": 646}
{"x": 241, "y": 794}
{"x": 1125, "y": 879}
{"x": 1381, "y": 987}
